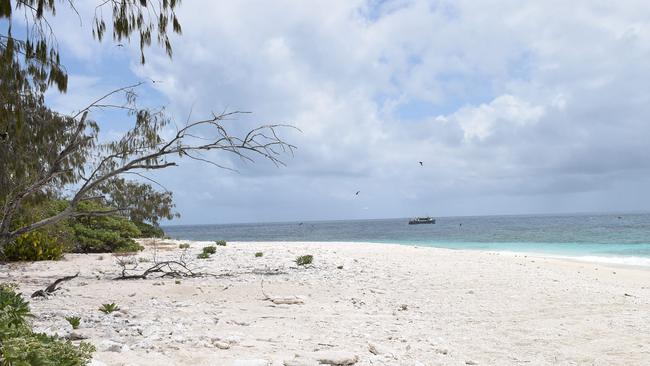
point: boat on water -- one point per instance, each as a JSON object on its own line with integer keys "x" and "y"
{"x": 422, "y": 220}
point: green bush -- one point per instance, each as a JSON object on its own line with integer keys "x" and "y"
{"x": 148, "y": 230}
{"x": 184, "y": 246}
{"x": 109, "y": 308}
{"x": 221, "y": 243}
{"x": 48, "y": 243}
{"x": 304, "y": 260}
{"x": 258, "y": 254}
{"x": 104, "y": 234}
{"x": 94, "y": 239}
{"x": 20, "y": 346}
{"x": 203, "y": 255}
{"x": 14, "y": 310}
{"x": 35, "y": 246}
{"x": 210, "y": 249}
{"x": 74, "y": 321}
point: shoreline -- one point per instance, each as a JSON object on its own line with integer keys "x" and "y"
{"x": 609, "y": 261}
{"x": 388, "y": 304}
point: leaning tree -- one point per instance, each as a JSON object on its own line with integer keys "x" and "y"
{"x": 44, "y": 153}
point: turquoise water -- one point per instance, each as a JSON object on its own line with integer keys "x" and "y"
{"x": 617, "y": 238}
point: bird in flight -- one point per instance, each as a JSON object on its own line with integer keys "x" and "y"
{"x": 356, "y": 194}
{"x": 421, "y": 164}
{"x": 119, "y": 45}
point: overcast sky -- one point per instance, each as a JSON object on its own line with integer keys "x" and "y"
{"x": 537, "y": 108}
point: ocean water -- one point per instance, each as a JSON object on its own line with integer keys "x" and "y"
{"x": 613, "y": 238}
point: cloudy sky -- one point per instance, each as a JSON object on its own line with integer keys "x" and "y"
{"x": 536, "y": 108}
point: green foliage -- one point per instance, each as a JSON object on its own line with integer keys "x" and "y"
{"x": 258, "y": 254}
{"x": 109, "y": 308}
{"x": 221, "y": 243}
{"x": 41, "y": 349}
{"x": 20, "y": 346}
{"x": 14, "y": 310}
{"x": 148, "y": 230}
{"x": 210, "y": 249}
{"x": 35, "y": 246}
{"x": 74, "y": 321}
{"x": 44, "y": 152}
{"x": 100, "y": 234}
{"x": 184, "y": 246}
{"x": 145, "y": 204}
{"x": 44, "y": 244}
{"x": 304, "y": 260}
{"x": 37, "y": 53}
{"x": 203, "y": 255}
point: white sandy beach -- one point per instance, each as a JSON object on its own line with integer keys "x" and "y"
{"x": 388, "y": 305}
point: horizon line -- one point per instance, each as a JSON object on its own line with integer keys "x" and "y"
{"x": 580, "y": 213}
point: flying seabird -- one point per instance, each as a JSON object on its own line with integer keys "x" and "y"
{"x": 421, "y": 164}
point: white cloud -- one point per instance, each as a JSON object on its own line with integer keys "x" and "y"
{"x": 479, "y": 122}
{"x": 531, "y": 99}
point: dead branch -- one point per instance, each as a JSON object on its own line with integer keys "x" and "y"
{"x": 174, "y": 269}
{"x": 52, "y": 287}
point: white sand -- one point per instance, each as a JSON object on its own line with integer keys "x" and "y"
{"x": 409, "y": 305}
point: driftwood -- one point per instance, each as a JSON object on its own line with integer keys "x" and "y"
{"x": 291, "y": 300}
{"x": 52, "y": 287}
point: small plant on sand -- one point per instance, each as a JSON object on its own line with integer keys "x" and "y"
{"x": 22, "y": 346}
{"x": 304, "y": 260}
{"x": 74, "y": 321}
{"x": 178, "y": 282}
{"x": 221, "y": 243}
{"x": 184, "y": 246}
{"x": 211, "y": 249}
{"x": 203, "y": 255}
{"x": 109, "y": 308}
{"x": 259, "y": 254}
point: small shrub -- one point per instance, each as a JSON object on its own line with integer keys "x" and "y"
{"x": 21, "y": 346}
{"x": 13, "y": 308}
{"x": 259, "y": 254}
{"x": 221, "y": 243}
{"x": 184, "y": 246}
{"x": 203, "y": 255}
{"x": 74, "y": 321}
{"x": 35, "y": 246}
{"x": 148, "y": 230}
{"x": 178, "y": 282}
{"x": 144, "y": 260}
{"x": 109, "y": 308}
{"x": 339, "y": 267}
{"x": 304, "y": 260}
{"x": 211, "y": 249}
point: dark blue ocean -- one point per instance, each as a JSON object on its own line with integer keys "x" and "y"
{"x": 615, "y": 238}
